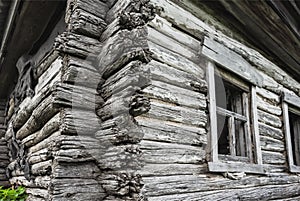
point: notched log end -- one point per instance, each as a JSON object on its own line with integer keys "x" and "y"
{"x": 138, "y": 13}
{"x": 139, "y": 105}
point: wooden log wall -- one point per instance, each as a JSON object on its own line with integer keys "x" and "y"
{"x": 119, "y": 111}
{"x": 4, "y": 159}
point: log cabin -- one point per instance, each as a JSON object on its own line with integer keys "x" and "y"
{"x": 150, "y": 99}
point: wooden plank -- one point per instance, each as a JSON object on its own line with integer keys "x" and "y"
{"x": 235, "y": 167}
{"x": 213, "y": 130}
{"x": 287, "y": 131}
{"x": 231, "y": 61}
{"x": 228, "y": 113}
{"x": 291, "y": 99}
{"x": 255, "y": 129}
{"x": 269, "y": 119}
{"x": 231, "y": 136}
{"x": 247, "y": 127}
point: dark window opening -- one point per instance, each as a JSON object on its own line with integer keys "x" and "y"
{"x": 232, "y": 119}
{"x": 294, "y": 120}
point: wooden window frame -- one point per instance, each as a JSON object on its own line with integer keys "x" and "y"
{"x": 290, "y": 103}
{"x": 215, "y": 164}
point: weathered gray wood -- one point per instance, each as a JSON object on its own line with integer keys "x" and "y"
{"x": 49, "y": 74}
{"x": 235, "y": 167}
{"x": 39, "y": 117}
{"x": 266, "y": 130}
{"x": 270, "y": 96}
{"x": 287, "y": 132}
{"x": 172, "y": 45}
{"x": 76, "y": 170}
{"x": 291, "y": 99}
{"x": 231, "y": 61}
{"x": 80, "y": 72}
{"x": 255, "y": 128}
{"x": 269, "y": 119}
{"x": 263, "y": 104}
{"x": 115, "y": 11}
{"x": 269, "y": 157}
{"x": 178, "y": 61}
{"x": 161, "y": 153}
{"x": 49, "y": 128}
{"x": 94, "y": 7}
{"x": 177, "y": 95}
{"x": 170, "y": 75}
{"x": 78, "y": 121}
{"x": 165, "y": 131}
{"x": 66, "y": 189}
{"x": 83, "y": 22}
{"x": 271, "y": 192}
{"x": 228, "y": 113}
{"x": 169, "y": 112}
{"x": 77, "y": 45}
{"x": 156, "y": 170}
{"x": 271, "y": 144}
{"x": 128, "y": 45}
{"x": 213, "y": 128}
{"x": 165, "y": 27}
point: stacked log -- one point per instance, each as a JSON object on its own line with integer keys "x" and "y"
{"x": 4, "y": 159}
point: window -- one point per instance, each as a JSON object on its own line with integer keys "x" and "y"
{"x": 233, "y": 123}
{"x": 291, "y": 116}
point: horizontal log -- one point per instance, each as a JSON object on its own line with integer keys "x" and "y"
{"x": 264, "y": 105}
{"x": 42, "y": 168}
{"x": 79, "y": 122}
{"x": 270, "y": 96}
{"x": 37, "y": 182}
{"x": 50, "y": 142}
{"x": 177, "y": 61}
{"x": 168, "y": 112}
{"x": 95, "y": 7}
{"x": 158, "y": 170}
{"x": 77, "y": 45}
{"x": 168, "y": 29}
{"x": 269, "y": 119}
{"x": 83, "y": 22}
{"x": 128, "y": 46}
{"x": 74, "y": 96}
{"x": 159, "y": 152}
{"x": 50, "y": 127}
{"x": 132, "y": 78}
{"x": 165, "y": 131}
{"x": 271, "y": 144}
{"x": 124, "y": 131}
{"x": 115, "y": 11}
{"x": 39, "y": 117}
{"x": 164, "y": 73}
{"x": 187, "y": 185}
{"x": 270, "y": 192}
{"x": 80, "y": 72}
{"x": 270, "y": 157}
{"x": 176, "y": 95}
{"x": 52, "y": 71}
{"x": 72, "y": 189}
{"x": 269, "y": 131}
{"x": 110, "y": 30}
{"x": 37, "y": 192}
{"x": 29, "y": 105}
{"x": 86, "y": 170}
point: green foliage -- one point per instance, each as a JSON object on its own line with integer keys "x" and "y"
{"x": 11, "y": 194}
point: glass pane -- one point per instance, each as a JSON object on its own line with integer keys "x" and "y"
{"x": 223, "y": 135}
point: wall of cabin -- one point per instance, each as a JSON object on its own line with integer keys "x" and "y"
{"x": 118, "y": 110}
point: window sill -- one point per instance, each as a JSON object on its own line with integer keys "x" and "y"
{"x": 235, "y": 167}
{"x": 295, "y": 169}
